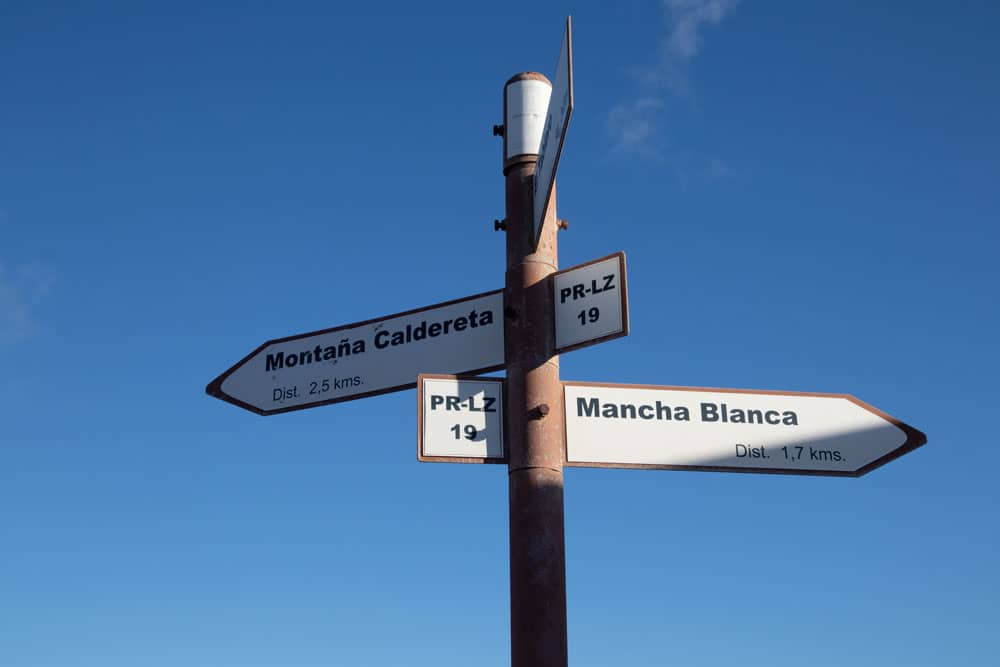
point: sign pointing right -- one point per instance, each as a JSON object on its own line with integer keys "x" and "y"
{"x": 688, "y": 428}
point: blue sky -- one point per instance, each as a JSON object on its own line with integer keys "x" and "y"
{"x": 807, "y": 197}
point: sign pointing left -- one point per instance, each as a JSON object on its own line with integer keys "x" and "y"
{"x": 367, "y": 358}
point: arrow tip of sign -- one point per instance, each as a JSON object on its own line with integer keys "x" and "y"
{"x": 915, "y": 437}
{"x": 214, "y": 388}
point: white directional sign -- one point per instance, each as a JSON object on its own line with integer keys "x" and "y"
{"x": 683, "y": 428}
{"x": 591, "y": 303}
{"x": 367, "y": 358}
{"x": 554, "y": 132}
{"x": 460, "y": 419}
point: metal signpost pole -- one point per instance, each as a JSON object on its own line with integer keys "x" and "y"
{"x": 534, "y": 408}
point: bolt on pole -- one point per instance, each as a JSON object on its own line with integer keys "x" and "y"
{"x": 534, "y": 407}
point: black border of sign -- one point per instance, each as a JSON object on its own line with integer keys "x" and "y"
{"x": 624, "y": 293}
{"x": 914, "y": 438}
{"x": 420, "y": 420}
{"x": 214, "y": 387}
{"x": 537, "y": 224}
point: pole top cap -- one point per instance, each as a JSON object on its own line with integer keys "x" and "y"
{"x": 528, "y": 76}
{"x": 525, "y": 102}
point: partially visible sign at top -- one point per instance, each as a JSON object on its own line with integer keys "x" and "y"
{"x": 556, "y": 122}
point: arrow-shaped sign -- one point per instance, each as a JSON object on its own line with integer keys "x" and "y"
{"x": 464, "y": 336}
{"x": 367, "y": 358}
{"x": 687, "y": 428}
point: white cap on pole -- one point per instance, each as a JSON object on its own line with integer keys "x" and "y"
{"x": 526, "y": 102}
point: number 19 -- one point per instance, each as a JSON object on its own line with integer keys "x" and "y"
{"x": 591, "y": 315}
{"x": 469, "y": 429}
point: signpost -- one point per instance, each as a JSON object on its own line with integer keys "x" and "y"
{"x": 367, "y": 358}
{"x": 531, "y": 420}
{"x": 460, "y": 419}
{"x": 554, "y": 131}
{"x": 686, "y": 428}
{"x": 591, "y": 303}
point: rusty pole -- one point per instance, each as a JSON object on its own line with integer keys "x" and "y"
{"x": 534, "y": 408}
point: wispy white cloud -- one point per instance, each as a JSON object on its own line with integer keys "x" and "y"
{"x": 21, "y": 290}
{"x": 687, "y": 18}
{"x": 636, "y": 126}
